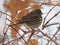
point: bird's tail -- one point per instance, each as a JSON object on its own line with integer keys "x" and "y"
{"x": 14, "y": 24}
{"x": 19, "y": 22}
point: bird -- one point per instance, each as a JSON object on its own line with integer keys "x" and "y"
{"x": 32, "y": 19}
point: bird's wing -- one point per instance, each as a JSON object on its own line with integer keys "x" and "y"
{"x": 28, "y": 18}
{"x": 31, "y": 16}
{"x": 25, "y": 19}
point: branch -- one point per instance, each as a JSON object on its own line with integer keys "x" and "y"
{"x": 48, "y": 37}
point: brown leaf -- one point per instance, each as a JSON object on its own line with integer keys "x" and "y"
{"x": 13, "y": 7}
{"x": 33, "y": 42}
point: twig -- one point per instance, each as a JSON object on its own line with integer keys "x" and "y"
{"x": 50, "y": 19}
{"x": 54, "y": 35}
{"x": 51, "y": 24}
{"x": 30, "y": 36}
{"x": 15, "y": 39}
{"x": 5, "y": 14}
{"x": 48, "y": 13}
{"x": 4, "y": 36}
{"x": 46, "y": 3}
{"x": 48, "y": 36}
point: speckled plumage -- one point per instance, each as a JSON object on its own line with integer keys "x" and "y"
{"x": 33, "y": 19}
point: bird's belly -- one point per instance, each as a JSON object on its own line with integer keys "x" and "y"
{"x": 35, "y": 23}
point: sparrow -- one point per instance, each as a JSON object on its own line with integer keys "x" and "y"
{"x": 32, "y": 20}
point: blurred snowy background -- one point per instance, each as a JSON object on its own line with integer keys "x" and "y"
{"x": 49, "y": 30}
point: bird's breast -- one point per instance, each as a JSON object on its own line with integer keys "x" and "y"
{"x": 34, "y": 23}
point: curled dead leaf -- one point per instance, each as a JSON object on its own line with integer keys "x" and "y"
{"x": 33, "y": 42}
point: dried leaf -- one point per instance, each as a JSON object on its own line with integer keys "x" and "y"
{"x": 33, "y": 42}
{"x": 13, "y": 7}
